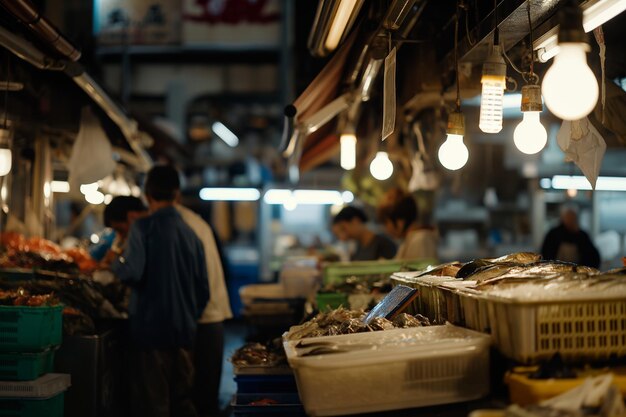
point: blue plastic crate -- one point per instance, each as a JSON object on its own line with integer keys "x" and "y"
{"x": 32, "y": 407}
{"x": 288, "y": 405}
{"x": 30, "y": 329}
{"x": 254, "y": 384}
{"x": 25, "y": 366}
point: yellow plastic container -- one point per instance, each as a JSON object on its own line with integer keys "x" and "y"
{"x": 526, "y": 391}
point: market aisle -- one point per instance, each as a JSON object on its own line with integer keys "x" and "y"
{"x": 234, "y": 338}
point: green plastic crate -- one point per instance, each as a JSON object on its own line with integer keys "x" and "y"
{"x": 25, "y": 366}
{"x": 30, "y": 329}
{"x": 32, "y": 407}
{"x": 331, "y": 301}
{"x": 338, "y": 272}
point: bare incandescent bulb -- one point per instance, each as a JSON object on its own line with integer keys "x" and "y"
{"x": 453, "y": 153}
{"x": 530, "y": 136}
{"x": 494, "y": 82}
{"x": 381, "y": 166}
{"x": 569, "y": 87}
{"x": 348, "y": 151}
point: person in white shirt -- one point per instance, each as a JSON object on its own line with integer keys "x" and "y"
{"x": 209, "y": 346}
{"x": 398, "y": 212}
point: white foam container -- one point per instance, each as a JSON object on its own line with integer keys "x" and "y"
{"x": 404, "y": 368}
{"x": 46, "y": 386}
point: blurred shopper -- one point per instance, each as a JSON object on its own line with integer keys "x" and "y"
{"x": 568, "y": 243}
{"x": 398, "y": 212}
{"x": 209, "y": 344}
{"x": 350, "y": 224}
{"x": 120, "y": 215}
{"x": 165, "y": 265}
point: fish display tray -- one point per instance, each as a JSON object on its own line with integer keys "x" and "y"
{"x": 437, "y": 303}
{"x": 25, "y": 366}
{"x": 46, "y": 386}
{"x": 30, "y": 329}
{"x": 531, "y": 331}
{"x": 401, "y": 368}
{"x": 288, "y": 405}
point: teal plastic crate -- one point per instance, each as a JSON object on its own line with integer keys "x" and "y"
{"x": 32, "y": 407}
{"x": 25, "y": 366}
{"x": 331, "y": 301}
{"x": 338, "y": 272}
{"x": 30, "y": 329}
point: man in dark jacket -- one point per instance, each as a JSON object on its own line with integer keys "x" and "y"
{"x": 568, "y": 243}
{"x": 165, "y": 266}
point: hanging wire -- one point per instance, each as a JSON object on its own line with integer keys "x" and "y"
{"x": 530, "y": 28}
{"x": 466, "y": 8}
{"x": 456, "y": 60}
{"x": 496, "y": 32}
{"x": 6, "y": 91}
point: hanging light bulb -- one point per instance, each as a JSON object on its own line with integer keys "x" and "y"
{"x": 530, "y": 136}
{"x": 6, "y": 157}
{"x": 348, "y": 151}
{"x": 494, "y": 82}
{"x": 453, "y": 153}
{"x": 569, "y": 87}
{"x": 381, "y": 166}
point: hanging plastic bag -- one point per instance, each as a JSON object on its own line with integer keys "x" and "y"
{"x": 389, "y": 93}
{"x": 583, "y": 145}
{"x": 92, "y": 156}
{"x": 424, "y": 175}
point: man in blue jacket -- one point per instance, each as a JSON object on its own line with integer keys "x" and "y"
{"x": 165, "y": 266}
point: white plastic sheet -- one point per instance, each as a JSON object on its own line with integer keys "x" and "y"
{"x": 584, "y": 146}
{"x": 92, "y": 156}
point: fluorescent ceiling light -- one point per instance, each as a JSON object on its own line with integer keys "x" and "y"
{"x": 578, "y": 182}
{"x": 595, "y": 13}
{"x": 323, "y": 197}
{"x": 339, "y": 23}
{"x": 225, "y": 134}
{"x": 601, "y": 11}
{"x": 60, "y": 187}
{"x": 230, "y": 194}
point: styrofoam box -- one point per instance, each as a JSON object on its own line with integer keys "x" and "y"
{"x": 393, "y": 369}
{"x": 45, "y": 386}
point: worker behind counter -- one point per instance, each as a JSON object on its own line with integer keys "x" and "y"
{"x": 164, "y": 263}
{"x": 568, "y": 243}
{"x": 398, "y": 212}
{"x": 351, "y": 224}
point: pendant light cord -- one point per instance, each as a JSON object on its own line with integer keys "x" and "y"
{"x": 496, "y": 32}
{"x": 532, "y": 53}
{"x": 456, "y": 60}
{"x": 6, "y": 90}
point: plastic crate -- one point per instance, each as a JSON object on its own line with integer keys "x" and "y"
{"x": 403, "y": 368}
{"x": 25, "y": 366}
{"x": 331, "y": 301}
{"x": 267, "y": 383}
{"x": 30, "y": 329}
{"x": 43, "y": 387}
{"x": 527, "y": 391}
{"x": 531, "y": 331}
{"x": 29, "y": 407}
{"x": 475, "y": 311}
{"x": 337, "y": 272}
{"x": 288, "y": 405}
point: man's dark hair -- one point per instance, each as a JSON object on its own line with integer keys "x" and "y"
{"x": 348, "y": 213}
{"x": 119, "y": 207}
{"x": 162, "y": 183}
{"x": 399, "y": 206}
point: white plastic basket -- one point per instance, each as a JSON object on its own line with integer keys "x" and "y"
{"x": 530, "y": 331}
{"x": 404, "y": 368}
{"x": 474, "y": 310}
{"x": 45, "y": 386}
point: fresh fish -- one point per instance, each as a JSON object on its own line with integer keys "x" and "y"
{"x": 444, "y": 270}
{"x": 488, "y": 270}
{"x": 519, "y": 258}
